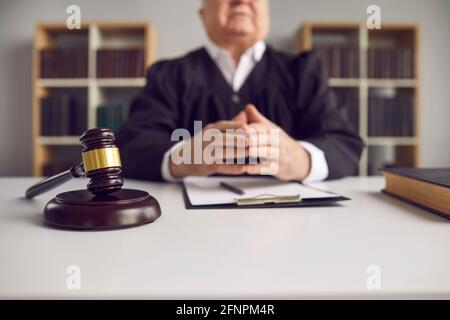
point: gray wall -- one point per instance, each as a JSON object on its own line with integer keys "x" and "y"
{"x": 179, "y": 30}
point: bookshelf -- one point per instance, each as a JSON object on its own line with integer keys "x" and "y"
{"x": 375, "y": 74}
{"x": 77, "y": 72}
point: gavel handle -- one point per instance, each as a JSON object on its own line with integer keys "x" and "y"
{"x": 54, "y": 181}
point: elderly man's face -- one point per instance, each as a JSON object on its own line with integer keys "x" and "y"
{"x": 231, "y": 19}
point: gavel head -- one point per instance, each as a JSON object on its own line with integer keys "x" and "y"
{"x": 101, "y": 161}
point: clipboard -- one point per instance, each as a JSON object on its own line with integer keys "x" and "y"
{"x": 268, "y": 201}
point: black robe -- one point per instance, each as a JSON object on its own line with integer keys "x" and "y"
{"x": 290, "y": 90}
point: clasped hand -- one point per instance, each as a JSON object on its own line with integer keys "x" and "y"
{"x": 248, "y": 135}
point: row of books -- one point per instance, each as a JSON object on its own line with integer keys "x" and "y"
{"x": 349, "y": 101}
{"x": 63, "y": 114}
{"x": 391, "y": 63}
{"x": 120, "y": 63}
{"x": 391, "y": 116}
{"x": 340, "y": 61}
{"x": 64, "y": 62}
{"x": 343, "y": 62}
{"x": 112, "y": 116}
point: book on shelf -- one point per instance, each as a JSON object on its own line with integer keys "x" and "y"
{"x": 391, "y": 63}
{"x": 63, "y": 114}
{"x": 112, "y": 116}
{"x": 69, "y": 62}
{"x": 339, "y": 61}
{"x": 120, "y": 63}
{"x": 391, "y": 116}
{"x": 426, "y": 188}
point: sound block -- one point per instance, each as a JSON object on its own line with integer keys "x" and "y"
{"x": 83, "y": 210}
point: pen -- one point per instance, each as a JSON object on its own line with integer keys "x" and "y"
{"x": 231, "y": 188}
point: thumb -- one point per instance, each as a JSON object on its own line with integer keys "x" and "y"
{"x": 240, "y": 117}
{"x": 253, "y": 115}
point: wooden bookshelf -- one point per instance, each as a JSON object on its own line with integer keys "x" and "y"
{"x": 93, "y": 36}
{"x": 398, "y": 150}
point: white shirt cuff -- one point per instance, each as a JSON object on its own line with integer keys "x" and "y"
{"x": 165, "y": 170}
{"x": 319, "y": 166}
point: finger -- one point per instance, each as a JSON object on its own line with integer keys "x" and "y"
{"x": 265, "y": 153}
{"x": 237, "y": 140}
{"x": 263, "y": 137}
{"x": 231, "y": 155}
{"x": 253, "y": 115}
{"x": 240, "y": 117}
{"x": 267, "y": 168}
{"x": 233, "y": 169}
{"x": 226, "y": 124}
{"x": 256, "y": 169}
{"x": 224, "y": 155}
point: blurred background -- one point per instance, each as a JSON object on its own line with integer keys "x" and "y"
{"x": 394, "y": 82}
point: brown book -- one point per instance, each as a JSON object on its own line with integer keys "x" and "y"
{"x": 425, "y": 188}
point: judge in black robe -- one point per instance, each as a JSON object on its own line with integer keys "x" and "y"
{"x": 290, "y": 90}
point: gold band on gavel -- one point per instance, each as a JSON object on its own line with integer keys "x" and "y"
{"x": 101, "y": 158}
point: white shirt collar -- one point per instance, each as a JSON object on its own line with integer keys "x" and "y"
{"x": 256, "y": 52}
{"x": 234, "y": 74}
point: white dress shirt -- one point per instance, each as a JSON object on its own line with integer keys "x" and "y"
{"x": 236, "y": 76}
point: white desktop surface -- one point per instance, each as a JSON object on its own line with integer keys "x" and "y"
{"x": 289, "y": 253}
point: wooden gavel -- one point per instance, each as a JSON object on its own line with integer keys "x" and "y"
{"x": 101, "y": 163}
{"x": 104, "y": 205}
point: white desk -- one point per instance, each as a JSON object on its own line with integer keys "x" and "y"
{"x": 284, "y": 253}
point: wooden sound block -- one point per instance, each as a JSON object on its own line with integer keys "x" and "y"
{"x": 82, "y": 210}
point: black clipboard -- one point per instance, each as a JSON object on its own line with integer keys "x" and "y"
{"x": 322, "y": 202}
